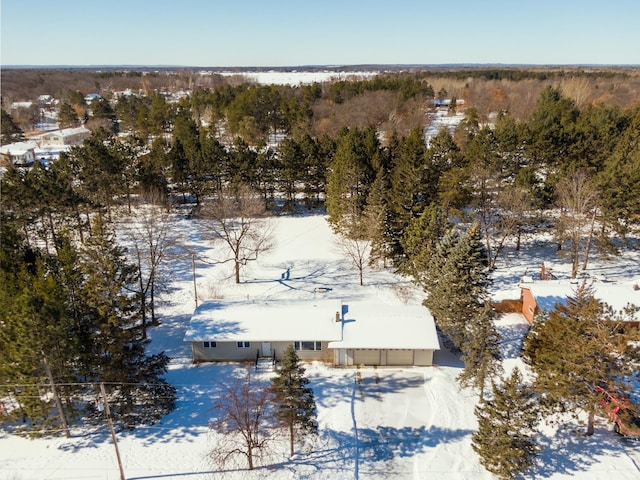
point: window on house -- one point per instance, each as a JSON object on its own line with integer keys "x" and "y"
{"x": 209, "y": 344}
{"x": 307, "y": 346}
{"x": 243, "y": 344}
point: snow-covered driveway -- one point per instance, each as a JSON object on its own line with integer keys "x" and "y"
{"x": 411, "y": 413}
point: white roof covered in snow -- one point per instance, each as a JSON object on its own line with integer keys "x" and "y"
{"x": 67, "y": 132}
{"x": 18, "y": 148}
{"x": 265, "y": 320}
{"x": 376, "y": 325}
{"x": 617, "y": 295}
{"x": 363, "y": 325}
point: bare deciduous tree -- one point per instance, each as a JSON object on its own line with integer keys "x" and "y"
{"x": 243, "y": 418}
{"x": 355, "y": 232}
{"x": 577, "y": 88}
{"x": 357, "y": 249}
{"x": 578, "y": 200}
{"x": 514, "y": 206}
{"x": 239, "y": 218}
{"x": 151, "y": 240}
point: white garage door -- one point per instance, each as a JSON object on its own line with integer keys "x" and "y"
{"x": 399, "y": 357}
{"x": 366, "y": 357}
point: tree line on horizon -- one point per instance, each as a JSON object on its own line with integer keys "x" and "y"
{"x": 439, "y": 211}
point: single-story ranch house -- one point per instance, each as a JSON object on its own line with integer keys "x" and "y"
{"x": 354, "y": 333}
{"x": 21, "y": 153}
{"x": 543, "y": 295}
{"x": 66, "y": 136}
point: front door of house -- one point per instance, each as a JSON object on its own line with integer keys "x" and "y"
{"x": 266, "y": 349}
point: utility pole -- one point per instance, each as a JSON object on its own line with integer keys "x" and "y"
{"x": 56, "y": 397}
{"x": 107, "y": 412}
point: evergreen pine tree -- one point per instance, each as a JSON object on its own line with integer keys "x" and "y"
{"x": 505, "y": 440}
{"x": 294, "y": 401}
{"x": 620, "y": 177}
{"x": 290, "y": 169}
{"x": 578, "y": 347}
{"x": 352, "y": 174}
{"x": 377, "y": 217}
{"x": 421, "y": 240}
{"x": 113, "y": 319}
{"x": 67, "y": 116}
{"x": 36, "y": 330}
{"x": 10, "y": 131}
{"x": 457, "y": 283}
{"x": 407, "y": 197}
{"x": 436, "y": 284}
{"x": 481, "y": 350}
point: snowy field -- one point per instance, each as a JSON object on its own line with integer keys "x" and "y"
{"x": 295, "y": 77}
{"x": 375, "y": 423}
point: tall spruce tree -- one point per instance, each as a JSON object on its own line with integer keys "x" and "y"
{"x": 406, "y": 194}
{"x": 437, "y": 285}
{"x": 457, "y": 283}
{"x": 295, "y": 406}
{"x": 378, "y": 215}
{"x": 113, "y": 319}
{"x": 505, "y": 440}
{"x": 36, "y": 339}
{"x": 352, "y": 174}
{"x": 421, "y": 240}
{"x": 580, "y": 346}
{"x": 481, "y": 349}
{"x": 621, "y": 177}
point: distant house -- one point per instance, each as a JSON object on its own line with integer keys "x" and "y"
{"x": 91, "y": 97}
{"x": 46, "y": 102}
{"x": 445, "y": 102}
{"x": 21, "y": 154}
{"x": 66, "y": 136}
{"x": 21, "y": 105}
{"x": 356, "y": 333}
{"x": 544, "y": 295}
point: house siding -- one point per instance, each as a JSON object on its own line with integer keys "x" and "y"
{"x": 229, "y": 351}
{"x": 324, "y": 355}
{"x": 529, "y": 304}
{"x": 223, "y": 351}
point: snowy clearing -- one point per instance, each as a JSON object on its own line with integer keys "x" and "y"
{"x": 375, "y": 423}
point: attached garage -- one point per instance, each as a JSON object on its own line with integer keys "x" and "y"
{"x": 366, "y": 357}
{"x": 386, "y": 335}
{"x": 399, "y": 357}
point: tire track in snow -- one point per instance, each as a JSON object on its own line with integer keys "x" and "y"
{"x": 634, "y": 456}
{"x": 355, "y": 426}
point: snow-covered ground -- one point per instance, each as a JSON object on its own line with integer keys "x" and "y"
{"x": 375, "y": 423}
{"x": 295, "y": 77}
{"x": 441, "y": 119}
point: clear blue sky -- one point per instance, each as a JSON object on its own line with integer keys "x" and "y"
{"x": 331, "y": 32}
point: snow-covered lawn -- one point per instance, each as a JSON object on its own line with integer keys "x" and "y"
{"x": 375, "y": 423}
